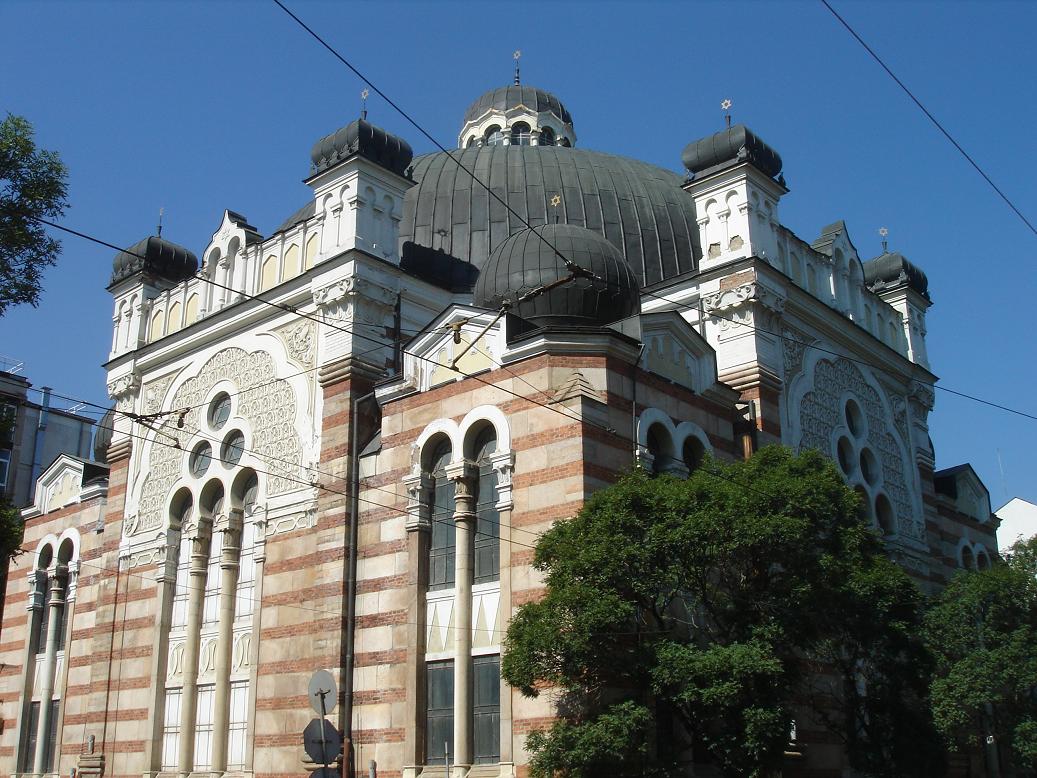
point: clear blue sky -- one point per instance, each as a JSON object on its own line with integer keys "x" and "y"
{"x": 199, "y": 107}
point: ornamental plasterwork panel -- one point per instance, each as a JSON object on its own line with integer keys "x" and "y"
{"x": 267, "y": 403}
{"x": 743, "y": 294}
{"x": 124, "y": 391}
{"x": 155, "y": 393}
{"x": 794, "y": 346}
{"x": 300, "y": 342}
{"x": 821, "y": 413}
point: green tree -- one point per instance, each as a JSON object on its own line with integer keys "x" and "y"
{"x": 32, "y": 186}
{"x": 681, "y": 619}
{"x": 982, "y": 632}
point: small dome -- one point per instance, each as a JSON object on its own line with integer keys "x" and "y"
{"x": 157, "y": 257}
{"x": 735, "y": 144}
{"x": 363, "y": 138}
{"x": 103, "y": 436}
{"x": 512, "y": 96}
{"x": 527, "y": 261}
{"x": 893, "y": 269}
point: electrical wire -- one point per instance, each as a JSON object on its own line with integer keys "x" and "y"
{"x": 929, "y": 115}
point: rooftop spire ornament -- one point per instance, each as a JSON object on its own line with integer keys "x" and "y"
{"x": 363, "y": 103}
{"x": 884, "y": 232}
{"x": 160, "y": 212}
{"x": 517, "y": 56}
{"x": 725, "y": 105}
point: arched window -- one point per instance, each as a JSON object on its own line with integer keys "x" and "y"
{"x": 494, "y": 136}
{"x": 967, "y": 560}
{"x": 547, "y": 137}
{"x": 441, "y": 545}
{"x": 520, "y": 134}
{"x": 246, "y": 489}
{"x": 471, "y": 142}
{"x": 212, "y": 504}
{"x": 694, "y": 452}
{"x": 487, "y": 524}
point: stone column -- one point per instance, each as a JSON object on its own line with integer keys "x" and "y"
{"x": 200, "y": 534}
{"x": 419, "y": 529}
{"x": 503, "y": 466}
{"x": 465, "y": 476}
{"x": 230, "y": 553}
{"x": 56, "y": 580}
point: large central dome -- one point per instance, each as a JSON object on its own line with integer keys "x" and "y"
{"x": 639, "y": 208}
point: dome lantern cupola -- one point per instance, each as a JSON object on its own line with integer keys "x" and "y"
{"x": 517, "y": 115}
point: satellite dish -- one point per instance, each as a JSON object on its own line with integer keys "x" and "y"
{"x": 321, "y": 741}
{"x": 322, "y": 687}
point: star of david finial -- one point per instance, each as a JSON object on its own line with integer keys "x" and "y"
{"x": 884, "y": 232}
{"x": 363, "y": 103}
{"x": 517, "y": 56}
{"x": 725, "y": 105}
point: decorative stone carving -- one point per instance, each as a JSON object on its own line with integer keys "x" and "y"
{"x": 419, "y": 495}
{"x": 794, "y": 347}
{"x": 821, "y": 413}
{"x": 241, "y": 651}
{"x": 503, "y": 465}
{"x": 354, "y": 298}
{"x": 300, "y": 342}
{"x": 266, "y": 402}
{"x": 155, "y": 392}
{"x": 124, "y": 391}
{"x": 753, "y": 292}
{"x": 175, "y": 662}
{"x": 305, "y": 520}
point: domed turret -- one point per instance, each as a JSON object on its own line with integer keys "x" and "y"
{"x": 527, "y": 261}
{"x": 103, "y": 435}
{"x": 893, "y": 269}
{"x": 155, "y": 257}
{"x": 735, "y": 144}
{"x": 363, "y": 138}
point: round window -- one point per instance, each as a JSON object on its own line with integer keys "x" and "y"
{"x": 884, "y": 515}
{"x": 200, "y": 459}
{"x": 233, "y": 447}
{"x": 844, "y": 451}
{"x": 854, "y": 418}
{"x": 869, "y": 467}
{"x": 219, "y": 410}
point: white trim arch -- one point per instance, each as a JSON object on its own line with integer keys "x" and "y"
{"x": 494, "y": 416}
{"x": 677, "y": 435}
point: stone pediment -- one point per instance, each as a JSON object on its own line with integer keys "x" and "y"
{"x": 674, "y": 350}
{"x": 460, "y": 342}
{"x": 62, "y": 483}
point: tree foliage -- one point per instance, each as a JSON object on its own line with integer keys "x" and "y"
{"x": 32, "y": 186}
{"x": 982, "y": 632}
{"x": 686, "y": 620}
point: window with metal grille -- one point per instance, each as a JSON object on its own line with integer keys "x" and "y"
{"x": 180, "y": 592}
{"x": 203, "y": 728}
{"x": 29, "y": 738}
{"x": 486, "y": 708}
{"x": 52, "y": 737}
{"x": 487, "y": 523}
{"x": 238, "y": 724}
{"x": 439, "y": 712}
{"x": 44, "y": 613}
{"x": 171, "y": 729}
{"x": 5, "y": 464}
{"x": 520, "y": 134}
{"x": 211, "y": 605}
{"x": 442, "y": 542}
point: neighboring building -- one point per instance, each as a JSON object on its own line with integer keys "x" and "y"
{"x": 402, "y": 328}
{"x": 35, "y": 434}
{"x": 1018, "y": 522}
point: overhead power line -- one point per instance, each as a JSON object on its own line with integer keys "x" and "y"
{"x": 929, "y": 115}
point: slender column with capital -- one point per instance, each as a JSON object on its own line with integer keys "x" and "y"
{"x": 419, "y": 529}
{"x": 199, "y": 534}
{"x": 464, "y": 475}
{"x": 56, "y": 580}
{"x": 230, "y": 554}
